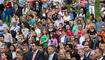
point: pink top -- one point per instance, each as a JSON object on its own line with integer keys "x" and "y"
{"x": 83, "y": 3}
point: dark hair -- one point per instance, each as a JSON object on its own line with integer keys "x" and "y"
{"x": 31, "y": 16}
{"x": 53, "y": 36}
{"x": 52, "y": 47}
{"x": 13, "y": 46}
{"x": 2, "y": 36}
{"x": 100, "y": 51}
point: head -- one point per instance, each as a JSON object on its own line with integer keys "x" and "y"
{"x": 60, "y": 25}
{"x": 62, "y": 54}
{"x": 3, "y": 48}
{"x": 59, "y": 17}
{"x": 81, "y": 52}
{"x": 16, "y": 5}
{"x": 12, "y": 48}
{"x": 19, "y": 55}
{"x": 81, "y": 10}
{"x": 1, "y": 22}
{"x": 99, "y": 53}
{"x": 45, "y": 31}
{"x": 92, "y": 55}
{"x": 34, "y": 47}
{"x": 2, "y": 38}
{"x": 100, "y": 18}
{"x": 67, "y": 27}
{"x": 51, "y": 49}
{"x": 3, "y": 56}
{"x": 103, "y": 27}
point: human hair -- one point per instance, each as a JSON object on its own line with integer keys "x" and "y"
{"x": 52, "y": 46}
{"x": 45, "y": 30}
{"x": 100, "y": 51}
{"x": 2, "y": 36}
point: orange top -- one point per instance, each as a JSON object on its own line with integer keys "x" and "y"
{"x": 100, "y": 33}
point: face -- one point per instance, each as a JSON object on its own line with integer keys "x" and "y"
{"x": 103, "y": 28}
{"x": 1, "y": 38}
{"x": 92, "y": 56}
{"x": 19, "y": 56}
{"x": 34, "y": 47}
{"x": 3, "y": 56}
{"x": 61, "y": 54}
{"x": 97, "y": 53}
{"x": 3, "y": 49}
{"x": 12, "y": 48}
{"x": 67, "y": 27}
{"x": 86, "y": 48}
{"x": 50, "y": 50}
{"x": 81, "y": 53}
{"x": 59, "y": 17}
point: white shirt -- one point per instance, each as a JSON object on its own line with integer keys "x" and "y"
{"x": 62, "y": 39}
{"x": 51, "y": 56}
{"x": 25, "y": 32}
{"x": 100, "y": 58}
{"x": 8, "y": 38}
{"x": 15, "y": 28}
{"x": 38, "y": 31}
{"x": 82, "y": 58}
{"x": 57, "y": 22}
{"x": 81, "y": 40}
{"x": 67, "y": 18}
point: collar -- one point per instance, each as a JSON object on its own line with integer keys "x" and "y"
{"x": 82, "y": 58}
{"x": 100, "y": 58}
{"x": 52, "y": 54}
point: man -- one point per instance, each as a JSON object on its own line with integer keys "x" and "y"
{"x": 91, "y": 7}
{"x": 52, "y": 55}
{"x": 17, "y": 10}
{"x": 92, "y": 55}
{"x": 99, "y": 24}
{"x": 99, "y": 54}
{"x": 102, "y": 33}
{"x": 81, "y": 15}
{"x": 81, "y": 53}
{"x": 36, "y": 53}
{"x": 2, "y": 26}
{"x": 57, "y": 22}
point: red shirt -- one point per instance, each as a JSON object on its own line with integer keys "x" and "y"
{"x": 8, "y": 6}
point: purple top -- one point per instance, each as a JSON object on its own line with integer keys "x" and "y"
{"x": 52, "y": 42}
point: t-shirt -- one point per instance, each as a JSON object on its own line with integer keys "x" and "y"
{"x": 43, "y": 38}
{"x": 31, "y": 22}
{"x": 92, "y": 32}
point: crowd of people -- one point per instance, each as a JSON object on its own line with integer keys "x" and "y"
{"x": 51, "y": 30}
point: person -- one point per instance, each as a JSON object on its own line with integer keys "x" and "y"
{"x": 4, "y": 56}
{"x": 52, "y": 40}
{"x": 2, "y": 40}
{"x": 7, "y": 11}
{"x": 52, "y": 55}
{"x": 63, "y": 38}
{"x": 92, "y": 55}
{"x": 91, "y": 7}
{"x": 1, "y": 9}
{"x": 7, "y": 37}
{"x": 36, "y": 54}
{"x": 99, "y": 24}
{"x": 99, "y": 54}
{"x": 81, "y": 53}
{"x": 19, "y": 56}
{"x": 58, "y": 21}
{"x": 2, "y": 27}
{"x": 44, "y": 37}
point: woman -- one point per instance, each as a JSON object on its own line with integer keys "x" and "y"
{"x": 92, "y": 18}
{"x": 7, "y": 37}
{"x": 78, "y": 33}
{"x": 24, "y": 29}
{"x": 62, "y": 55}
{"x": 88, "y": 24}
{"x": 63, "y": 38}
{"x": 75, "y": 27}
{"x": 44, "y": 37}
{"x": 12, "y": 51}
{"x": 69, "y": 33}
{"x": 51, "y": 28}
{"x": 25, "y": 10}
{"x": 52, "y": 40}
{"x": 66, "y": 18}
